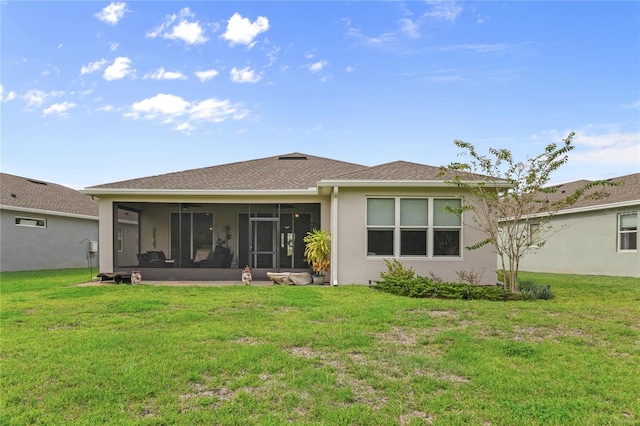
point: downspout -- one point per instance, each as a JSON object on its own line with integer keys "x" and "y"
{"x": 334, "y": 236}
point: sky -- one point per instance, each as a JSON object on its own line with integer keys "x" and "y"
{"x": 97, "y": 92}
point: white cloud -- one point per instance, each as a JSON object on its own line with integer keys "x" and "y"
{"x": 160, "y": 105}
{"x": 93, "y": 66}
{"x": 180, "y": 27}
{"x": 120, "y": 68}
{"x": 113, "y": 13}
{"x": 167, "y": 108}
{"x": 113, "y": 46}
{"x": 444, "y": 10}
{"x": 381, "y": 40}
{"x": 350, "y": 69}
{"x": 317, "y": 66}
{"x": 242, "y": 31}
{"x": 106, "y": 108}
{"x": 597, "y": 147}
{"x": 161, "y": 74}
{"x": 213, "y": 110}
{"x": 206, "y": 75}
{"x": 477, "y": 48}
{"x": 607, "y": 148}
{"x": 8, "y": 97}
{"x": 410, "y": 28}
{"x": 184, "y": 127}
{"x": 35, "y": 97}
{"x": 60, "y": 109}
{"x": 244, "y": 75}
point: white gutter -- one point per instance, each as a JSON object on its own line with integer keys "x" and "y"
{"x": 334, "y": 236}
{"x": 610, "y": 206}
{"x": 206, "y": 192}
{"x": 353, "y": 183}
{"x": 48, "y": 212}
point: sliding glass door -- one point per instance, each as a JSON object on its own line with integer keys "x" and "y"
{"x": 190, "y": 232}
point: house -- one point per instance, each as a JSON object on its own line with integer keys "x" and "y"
{"x": 598, "y": 235}
{"x": 45, "y": 226}
{"x": 208, "y": 223}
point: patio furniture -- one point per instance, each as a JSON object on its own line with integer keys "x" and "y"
{"x": 290, "y": 278}
{"x": 154, "y": 259}
{"x": 117, "y": 277}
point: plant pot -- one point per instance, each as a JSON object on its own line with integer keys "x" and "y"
{"x": 318, "y": 279}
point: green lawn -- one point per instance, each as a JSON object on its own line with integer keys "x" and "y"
{"x": 316, "y": 355}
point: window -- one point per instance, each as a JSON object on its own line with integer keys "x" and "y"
{"x": 627, "y": 231}
{"x": 446, "y": 228}
{"x": 380, "y": 226}
{"x": 400, "y": 227}
{"x": 190, "y": 232}
{"x": 31, "y": 222}
{"x": 120, "y": 238}
{"x": 534, "y": 234}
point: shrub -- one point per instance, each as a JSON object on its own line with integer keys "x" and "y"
{"x": 422, "y": 287}
{"x": 532, "y": 291}
{"x": 395, "y": 270}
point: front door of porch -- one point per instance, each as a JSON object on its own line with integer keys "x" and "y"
{"x": 263, "y": 248}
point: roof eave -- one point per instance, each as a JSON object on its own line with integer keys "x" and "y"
{"x": 609, "y": 206}
{"x": 355, "y": 183}
{"x": 47, "y": 212}
{"x": 200, "y": 192}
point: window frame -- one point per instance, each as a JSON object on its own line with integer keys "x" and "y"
{"x": 534, "y": 234}
{"x": 18, "y": 219}
{"x": 120, "y": 238}
{"x": 620, "y": 232}
{"x": 397, "y": 228}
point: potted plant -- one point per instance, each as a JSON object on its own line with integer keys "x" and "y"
{"x": 317, "y": 250}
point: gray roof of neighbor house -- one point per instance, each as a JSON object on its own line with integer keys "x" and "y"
{"x": 293, "y": 171}
{"x": 627, "y": 191}
{"x": 24, "y": 194}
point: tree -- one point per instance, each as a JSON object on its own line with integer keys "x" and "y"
{"x": 508, "y": 196}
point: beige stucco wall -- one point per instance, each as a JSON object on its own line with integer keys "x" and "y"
{"x": 356, "y": 268}
{"x": 586, "y": 243}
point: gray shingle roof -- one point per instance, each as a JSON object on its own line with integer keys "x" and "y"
{"x": 291, "y": 171}
{"x": 24, "y": 193}
{"x": 629, "y": 190}
{"x": 397, "y": 170}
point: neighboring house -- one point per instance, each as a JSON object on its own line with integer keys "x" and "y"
{"x": 208, "y": 223}
{"x": 45, "y": 226}
{"x": 596, "y": 236}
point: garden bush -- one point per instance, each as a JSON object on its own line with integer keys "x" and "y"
{"x": 403, "y": 281}
{"x": 422, "y": 287}
{"x": 532, "y": 291}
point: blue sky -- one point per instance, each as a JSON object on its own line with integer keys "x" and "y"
{"x": 97, "y": 92}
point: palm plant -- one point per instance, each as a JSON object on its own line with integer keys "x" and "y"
{"x": 317, "y": 250}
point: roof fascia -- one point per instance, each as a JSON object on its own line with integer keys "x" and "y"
{"x": 609, "y": 206}
{"x": 355, "y": 183}
{"x": 48, "y": 212}
{"x": 190, "y": 192}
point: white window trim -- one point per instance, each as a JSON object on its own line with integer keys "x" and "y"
{"x": 430, "y": 228}
{"x": 30, "y": 219}
{"x": 619, "y": 232}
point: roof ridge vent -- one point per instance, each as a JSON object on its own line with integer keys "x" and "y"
{"x": 293, "y": 157}
{"x": 37, "y": 182}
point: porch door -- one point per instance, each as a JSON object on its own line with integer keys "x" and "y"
{"x": 263, "y": 237}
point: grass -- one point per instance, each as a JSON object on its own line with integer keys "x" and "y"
{"x": 148, "y": 355}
